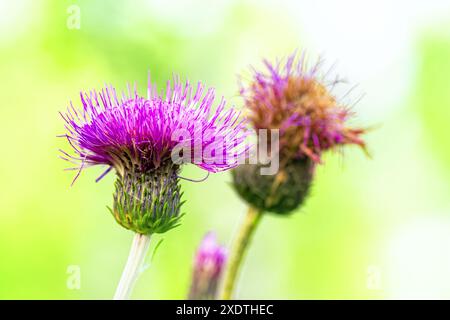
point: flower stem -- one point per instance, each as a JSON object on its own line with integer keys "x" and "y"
{"x": 133, "y": 267}
{"x": 238, "y": 250}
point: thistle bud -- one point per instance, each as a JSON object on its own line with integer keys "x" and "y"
{"x": 209, "y": 264}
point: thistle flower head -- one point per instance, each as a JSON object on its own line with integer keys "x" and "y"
{"x": 291, "y": 97}
{"x": 294, "y": 99}
{"x": 146, "y": 139}
{"x": 137, "y": 133}
{"x": 209, "y": 263}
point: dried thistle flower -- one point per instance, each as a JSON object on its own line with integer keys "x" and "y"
{"x": 293, "y": 99}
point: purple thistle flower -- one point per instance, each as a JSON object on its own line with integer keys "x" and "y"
{"x": 209, "y": 264}
{"x": 136, "y": 132}
{"x": 146, "y": 140}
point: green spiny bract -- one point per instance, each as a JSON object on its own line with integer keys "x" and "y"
{"x": 280, "y": 193}
{"x": 148, "y": 202}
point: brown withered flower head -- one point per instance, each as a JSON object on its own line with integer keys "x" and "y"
{"x": 291, "y": 97}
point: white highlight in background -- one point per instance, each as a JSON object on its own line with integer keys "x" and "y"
{"x": 419, "y": 260}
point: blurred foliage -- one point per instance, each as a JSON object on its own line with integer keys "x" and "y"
{"x": 433, "y": 94}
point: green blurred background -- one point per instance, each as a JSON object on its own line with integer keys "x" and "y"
{"x": 372, "y": 228}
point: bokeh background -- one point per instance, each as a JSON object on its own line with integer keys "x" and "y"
{"x": 373, "y": 228}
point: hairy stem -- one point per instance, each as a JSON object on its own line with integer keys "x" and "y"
{"x": 238, "y": 250}
{"x": 133, "y": 267}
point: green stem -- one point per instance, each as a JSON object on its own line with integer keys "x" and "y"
{"x": 133, "y": 267}
{"x": 238, "y": 250}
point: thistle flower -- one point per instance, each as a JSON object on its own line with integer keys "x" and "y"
{"x": 140, "y": 137}
{"x": 209, "y": 264}
{"x": 146, "y": 140}
{"x": 294, "y": 100}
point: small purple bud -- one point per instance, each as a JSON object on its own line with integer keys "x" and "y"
{"x": 209, "y": 264}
